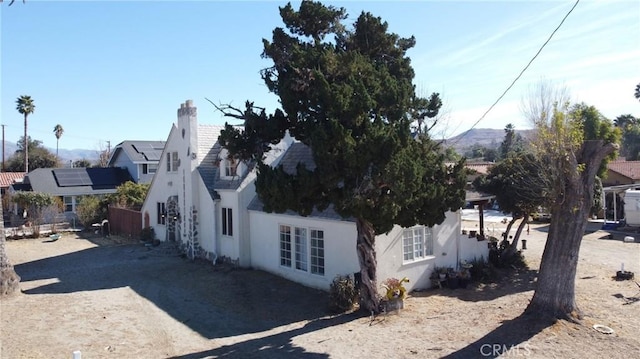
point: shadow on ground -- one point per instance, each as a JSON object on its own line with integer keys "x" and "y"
{"x": 274, "y": 346}
{"x": 192, "y": 292}
{"x": 509, "y": 339}
{"x": 509, "y": 282}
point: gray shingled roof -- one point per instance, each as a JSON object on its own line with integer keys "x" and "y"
{"x": 139, "y": 151}
{"x": 329, "y": 213}
{"x": 96, "y": 180}
{"x": 208, "y": 150}
{"x": 297, "y": 153}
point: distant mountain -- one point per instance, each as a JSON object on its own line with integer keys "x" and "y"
{"x": 486, "y": 137}
{"x": 65, "y": 155}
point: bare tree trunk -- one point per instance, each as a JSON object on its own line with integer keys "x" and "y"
{"x": 513, "y": 246}
{"x": 9, "y": 279}
{"x": 365, "y": 246}
{"x": 555, "y": 292}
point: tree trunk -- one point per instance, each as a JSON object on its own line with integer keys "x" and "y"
{"x": 26, "y": 146}
{"x": 365, "y": 246}
{"x": 9, "y": 280}
{"x": 555, "y": 292}
{"x": 513, "y": 246}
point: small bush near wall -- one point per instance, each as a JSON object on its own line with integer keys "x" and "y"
{"x": 343, "y": 294}
{"x": 147, "y": 234}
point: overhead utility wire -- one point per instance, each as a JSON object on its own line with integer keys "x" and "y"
{"x": 519, "y": 75}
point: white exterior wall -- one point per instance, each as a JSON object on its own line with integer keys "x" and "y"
{"x": 207, "y": 213}
{"x": 339, "y": 246}
{"x": 164, "y": 185}
{"x": 390, "y": 255}
{"x": 229, "y": 245}
{"x": 632, "y": 207}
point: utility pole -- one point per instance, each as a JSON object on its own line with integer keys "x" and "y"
{"x": 3, "y": 147}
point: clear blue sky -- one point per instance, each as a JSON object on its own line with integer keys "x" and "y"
{"x": 115, "y": 71}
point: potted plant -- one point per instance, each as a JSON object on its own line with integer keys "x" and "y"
{"x": 464, "y": 275}
{"x": 395, "y": 293}
{"x": 453, "y": 282}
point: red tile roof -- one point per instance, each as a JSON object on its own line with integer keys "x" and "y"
{"x": 630, "y": 169}
{"x": 8, "y": 178}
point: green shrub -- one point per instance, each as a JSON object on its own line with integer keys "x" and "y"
{"x": 91, "y": 209}
{"x": 147, "y": 234}
{"x": 343, "y": 294}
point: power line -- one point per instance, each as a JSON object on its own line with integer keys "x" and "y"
{"x": 520, "y": 74}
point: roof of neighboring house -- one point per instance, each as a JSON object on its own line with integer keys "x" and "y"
{"x": 629, "y": 169}
{"x": 207, "y": 155}
{"x": 480, "y": 167}
{"x": 75, "y": 181}
{"x": 8, "y": 178}
{"x": 139, "y": 151}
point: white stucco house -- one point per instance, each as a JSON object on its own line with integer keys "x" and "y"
{"x": 208, "y": 204}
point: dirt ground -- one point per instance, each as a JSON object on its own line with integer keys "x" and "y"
{"x": 110, "y": 299}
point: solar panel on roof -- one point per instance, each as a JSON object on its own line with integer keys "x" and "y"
{"x": 152, "y": 155}
{"x": 71, "y": 178}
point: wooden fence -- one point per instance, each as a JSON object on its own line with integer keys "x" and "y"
{"x": 125, "y": 222}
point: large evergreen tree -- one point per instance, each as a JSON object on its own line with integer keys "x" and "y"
{"x": 348, "y": 95}
{"x": 39, "y": 156}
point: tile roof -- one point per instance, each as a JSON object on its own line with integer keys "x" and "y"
{"x": 630, "y": 169}
{"x": 8, "y": 178}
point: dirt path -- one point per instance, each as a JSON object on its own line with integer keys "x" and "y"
{"x": 115, "y": 300}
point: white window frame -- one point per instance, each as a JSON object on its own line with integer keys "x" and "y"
{"x": 230, "y": 167}
{"x": 72, "y": 203}
{"x": 302, "y": 249}
{"x": 227, "y": 221}
{"x": 149, "y": 168}
{"x": 284, "y": 239}
{"x": 316, "y": 251}
{"x": 417, "y": 244}
{"x": 161, "y": 213}
{"x": 301, "y": 253}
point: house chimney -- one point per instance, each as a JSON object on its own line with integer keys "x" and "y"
{"x": 187, "y": 109}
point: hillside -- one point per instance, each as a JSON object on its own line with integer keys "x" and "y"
{"x": 65, "y": 155}
{"x": 486, "y": 137}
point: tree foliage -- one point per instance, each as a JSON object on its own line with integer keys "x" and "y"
{"x": 630, "y": 128}
{"x": 351, "y": 100}
{"x": 39, "y": 157}
{"x": 129, "y": 195}
{"x": 512, "y": 143}
{"x": 520, "y": 184}
{"x": 37, "y": 205}
{"x": 574, "y": 144}
{"x": 58, "y": 131}
{"x": 25, "y": 106}
{"x": 91, "y": 209}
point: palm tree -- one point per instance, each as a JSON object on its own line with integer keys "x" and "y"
{"x": 58, "y": 131}
{"x": 26, "y": 107}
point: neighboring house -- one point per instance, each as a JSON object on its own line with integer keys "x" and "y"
{"x": 208, "y": 204}
{"x": 140, "y": 158}
{"x": 622, "y": 172}
{"x": 9, "y": 178}
{"x": 71, "y": 183}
